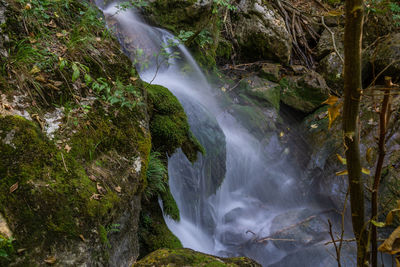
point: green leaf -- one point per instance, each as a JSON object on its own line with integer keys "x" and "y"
{"x": 76, "y": 72}
{"x": 378, "y": 224}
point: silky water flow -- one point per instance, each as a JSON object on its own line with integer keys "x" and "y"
{"x": 236, "y": 198}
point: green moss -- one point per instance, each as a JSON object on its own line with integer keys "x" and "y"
{"x": 168, "y": 124}
{"x": 153, "y": 232}
{"x": 54, "y": 195}
{"x": 188, "y": 257}
{"x": 169, "y": 205}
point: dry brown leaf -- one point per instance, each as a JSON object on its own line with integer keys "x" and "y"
{"x": 100, "y": 189}
{"x": 95, "y": 196}
{"x": 59, "y": 34}
{"x": 40, "y": 78}
{"x": 51, "y": 24}
{"x": 14, "y": 187}
{"x": 21, "y": 250}
{"x": 67, "y": 148}
{"x": 28, "y": 6}
{"x": 92, "y": 177}
{"x": 50, "y": 260}
{"x": 392, "y": 244}
{"x": 57, "y": 83}
{"x": 118, "y": 189}
{"x": 83, "y": 238}
{"x": 133, "y": 79}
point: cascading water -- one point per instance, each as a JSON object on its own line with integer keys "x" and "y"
{"x": 258, "y": 196}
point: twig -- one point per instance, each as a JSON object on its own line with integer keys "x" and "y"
{"x": 334, "y": 243}
{"x": 333, "y": 39}
{"x": 65, "y": 166}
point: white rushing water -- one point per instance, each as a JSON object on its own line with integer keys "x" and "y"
{"x": 259, "y": 186}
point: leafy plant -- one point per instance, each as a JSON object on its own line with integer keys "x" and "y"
{"x": 6, "y": 247}
{"x": 156, "y": 176}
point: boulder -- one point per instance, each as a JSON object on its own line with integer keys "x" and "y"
{"x": 331, "y": 68}
{"x": 388, "y": 52}
{"x": 261, "y": 32}
{"x": 188, "y": 257}
{"x": 304, "y": 92}
{"x": 297, "y": 229}
{"x": 325, "y": 43}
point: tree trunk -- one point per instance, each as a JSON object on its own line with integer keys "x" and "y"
{"x": 352, "y": 91}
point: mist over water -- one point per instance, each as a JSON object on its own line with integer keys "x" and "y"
{"x": 259, "y": 187}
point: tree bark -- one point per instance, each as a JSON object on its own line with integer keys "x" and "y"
{"x": 383, "y": 122}
{"x": 352, "y": 91}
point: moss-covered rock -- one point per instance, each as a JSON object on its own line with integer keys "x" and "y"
{"x": 188, "y": 257}
{"x": 305, "y": 92}
{"x": 168, "y": 124}
{"x": 153, "y": 232}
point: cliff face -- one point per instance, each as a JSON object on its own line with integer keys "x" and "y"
{"x": 75, "y": 138}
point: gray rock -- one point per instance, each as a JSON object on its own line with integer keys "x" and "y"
{"x": 304, "y": 92}
{"x": 297, "y": 229}
{"x": 387, "y": 52}
{"x": 261, "y": 32}
{"x": 331, "y": 68}
{"x": 325, "y": 43}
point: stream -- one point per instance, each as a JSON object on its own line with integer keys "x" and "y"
{"x": 241, "y": 198}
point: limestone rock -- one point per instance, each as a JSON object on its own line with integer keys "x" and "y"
{"x": 331, "y": 68}
{"x": 387, "y": 52}
{"x": 304, "y": 92}
{"x": 261, "y": 32}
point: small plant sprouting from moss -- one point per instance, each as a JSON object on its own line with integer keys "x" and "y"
{"x": 6, "y": 247}
{"x": 156, "y": 177}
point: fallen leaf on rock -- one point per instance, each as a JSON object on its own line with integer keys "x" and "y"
{"x": 67, "y": 148}
{"x": 21, "y": 250}
{"x": 95, "y": 196}
{"x": 14, "y": 187}
{"x": 50, "y": 260}
{"x": 100, "y": 189}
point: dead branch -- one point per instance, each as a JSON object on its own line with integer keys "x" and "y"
{"x": 333, "y": 39}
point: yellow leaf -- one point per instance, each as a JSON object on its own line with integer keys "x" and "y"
{"x": 332, "y": 100}
{"x": 389, "y": 218}
{"x": 369, "y": 156}
{"x": 282, "y": 134}
{"x": 14, "y": 187}
{"x": 392, "y": 244}
{"x": 341, "y": 159}
{"x": 333, "y": 113}
{"x": 35, "y": 70}
{"x": 365, "y": 171}
{"x": 50, "y": 260}
{"x": 28, "y": 6}
{"x": 345, "y": 172}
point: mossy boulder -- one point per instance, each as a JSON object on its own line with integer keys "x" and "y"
{"x": 188, "y": 257}
{"x": 50, "y": 197}
{"x": 304, "y": 92}
{"x": 168, "y": 124}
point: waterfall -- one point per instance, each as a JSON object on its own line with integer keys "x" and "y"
{"x": 258, "y": 192}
